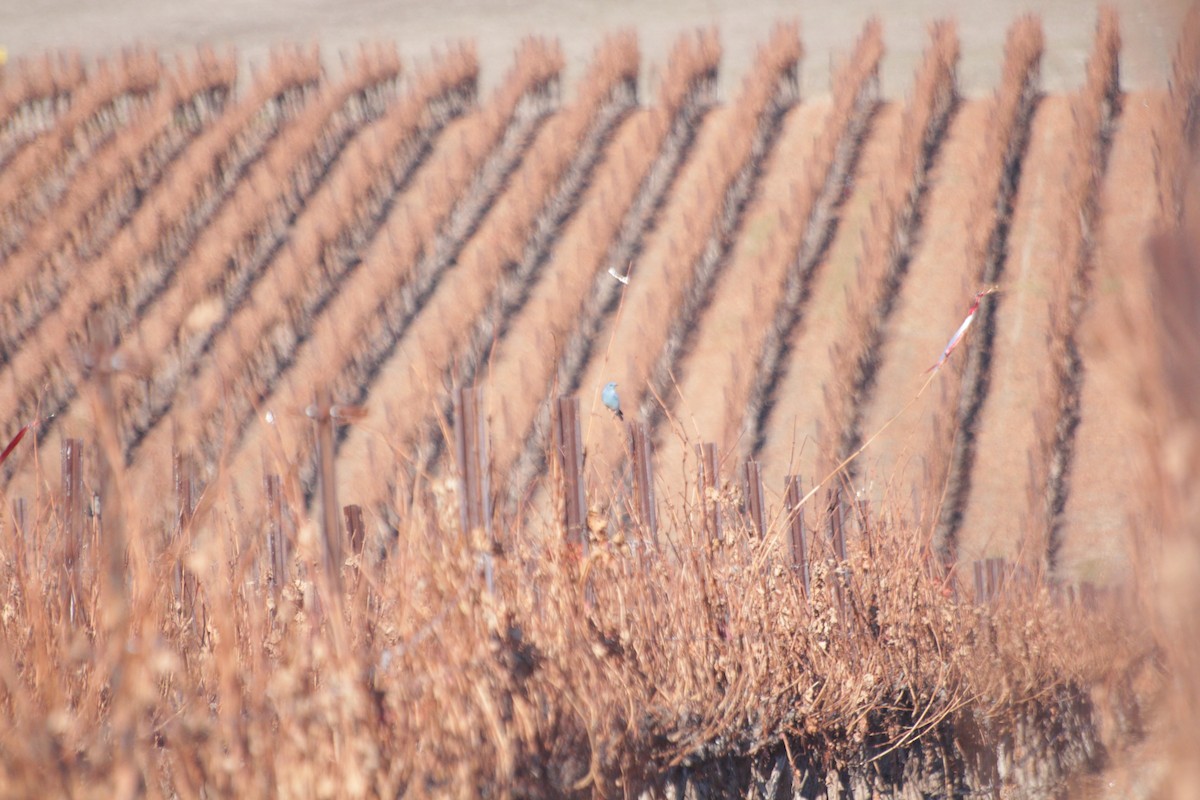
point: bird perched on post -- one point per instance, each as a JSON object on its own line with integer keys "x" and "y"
{"x": 610, "y": 399}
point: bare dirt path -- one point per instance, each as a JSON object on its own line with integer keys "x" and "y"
{"x": 1020, "y": 363}
{"x": 1102, "y": 501}
{"x": 793, "y": 441}
{"x": 620, "y": 350}
{"x": 523, "y": 361}
{"x": 932, "y": 301}
{"x": 701, "y": 409}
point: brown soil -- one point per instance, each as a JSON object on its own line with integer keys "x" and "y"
{"x": 793, "y": 441}
{"x": 619, "y": 352}
{"x": 718, "y": 353}
{"x": 525, "y": 360}
{"x": 1020, "y": 366}
{"x": 933, "y": 299}
{"x": 931, "y": 304}
{"x": 1102, "y": 505}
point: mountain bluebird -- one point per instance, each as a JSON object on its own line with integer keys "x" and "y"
{"x": 610, "y": 399}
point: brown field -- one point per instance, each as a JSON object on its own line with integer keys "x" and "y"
{"x": 193, "y": 258}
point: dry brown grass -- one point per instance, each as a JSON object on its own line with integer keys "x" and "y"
{"x": 1169, "y": 548}
{"x": 568, "y": 678}
{"x": 440, "y": 663}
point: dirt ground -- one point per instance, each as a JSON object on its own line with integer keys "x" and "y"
{"x": 1104, "y": 502}
{"x": 1149, "y": 27}
{"x": 793, "y": 435}
{"x": 1021, "y": 366}
{"x": 931, "y": 302}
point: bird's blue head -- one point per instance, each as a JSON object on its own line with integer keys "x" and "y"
{"x": 610, "y": 385}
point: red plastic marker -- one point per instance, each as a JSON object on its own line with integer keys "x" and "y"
{"x": 962, "y": 329}
{"x": 16, "y": 440}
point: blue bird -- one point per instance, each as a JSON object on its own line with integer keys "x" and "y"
{"x": 610, "y": 399}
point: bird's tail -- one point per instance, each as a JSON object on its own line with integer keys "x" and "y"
{"x": 620, "y": 415}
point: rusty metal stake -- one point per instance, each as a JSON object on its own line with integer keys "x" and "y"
{"x": 354, "y": 527}
{"x": 568, "y": 454}
{"x": 277, "y": 548}
{"x": 709, "y": 490}
{"x": 20, "y": 529}
{"x": 643, "y": 479}
{"x": 72, "y": 476}
{"x": 980, "y": 582}
{"x": 321, "y": 412}
{"x": 837, "y": 539}
{"x": 755, "y": 501}
{"x": 837, "y": 523}
{"x": 471, "y": 446}
{"x": 995, "y": 577}
{"x": 470, "y": 438}
{"x": 797, "y": 534}
{"x": 185, "y": 488}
